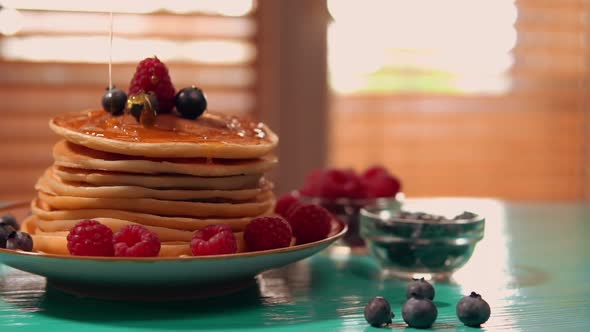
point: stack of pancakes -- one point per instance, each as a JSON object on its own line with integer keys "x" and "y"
{"x": 174, "y": 178}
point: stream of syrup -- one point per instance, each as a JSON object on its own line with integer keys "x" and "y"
{"x": 111, "y": 51}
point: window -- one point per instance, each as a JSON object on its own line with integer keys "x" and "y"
{"x": 454, "y": 46}
{"x": 464, "y": 98}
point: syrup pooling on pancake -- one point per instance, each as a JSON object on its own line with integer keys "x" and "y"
{"x": 211, "y": 128}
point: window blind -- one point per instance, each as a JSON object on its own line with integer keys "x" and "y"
{"x": 529, "y": 142}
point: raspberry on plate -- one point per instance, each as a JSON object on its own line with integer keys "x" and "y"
{"x": 310, "y": 223}
{"x": 284, "y": 203}
{"x": 151, "y": 75}
{"x": 292, "y": 208}
{"x": 214, "y": 240}
{"x": 90, "y": 238}
{"x": 265, "y": 233}
{"x": 136, "y": 241}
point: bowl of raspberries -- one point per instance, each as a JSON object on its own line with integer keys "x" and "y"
{"x": 343, "y": 192}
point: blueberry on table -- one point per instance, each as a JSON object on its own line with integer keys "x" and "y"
{"x": 20, "y": 241}
{"x": 378, "y": 312}
{"x": 421, "y": 288}
{"x": 191, "y": 102}
{"x": 419, "y": 312}
{"x": 472, "y": 310}
{"x": 114, "y": 100}
{"x": 9, "y": 220}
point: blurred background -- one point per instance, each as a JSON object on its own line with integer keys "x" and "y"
{"x": 456, "y": 97}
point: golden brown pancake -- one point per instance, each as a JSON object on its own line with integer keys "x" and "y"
{"x": 67, "y": 154}
{"x": 56, "y": 242}
{"x": 209, "y": 136}
{"x": 51, "y": 184}
{"x": 44, "y": 211}
{"x": 162, "y": 207}
{"x": 157, "y": 181}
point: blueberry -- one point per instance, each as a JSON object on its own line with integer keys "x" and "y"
{"x": 378, "y": 312}
{"x": 421, "y": 288}
{"x": 144, "y": 107}
{"x": 6, "y": 231}
{"x": 113, "y": 101}
{"x": 419, "y": 312}
{"x": 472, "y": 310}
{"x": 19, "y": 241}
{"x": 9, "y": 220}
{"x": 191, "y": 102}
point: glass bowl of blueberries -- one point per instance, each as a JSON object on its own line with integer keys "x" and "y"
{"x": 344, "y": 193}
{"x": 408, "y": 244}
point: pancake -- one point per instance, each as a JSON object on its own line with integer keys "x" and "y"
{"x": 168, "y": 181}
{"x": 43, "y": 211}
{"x": 209, "y": 136}
{"x": 163, "y": 207}
{"x": 64, "y": 226}
{"x": 50, "y": 184}
{"x": 56, "y": 242}
{"x": 67, "y": 154}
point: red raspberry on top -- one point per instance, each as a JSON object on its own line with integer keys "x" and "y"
{"x": 310, "y": 223}
{"x": 151, "y": 75}
{"x": 380, "y": 183}
{"x": 136, "y": 241}
{"x": 284, "y": 203}
{"x": 214, "y": 240}
{"x": 265, "y": 233}
{"x": 90, "y": 238}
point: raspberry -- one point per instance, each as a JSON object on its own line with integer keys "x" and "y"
{"x": 375, "y": 172}
{"x": 337, "y": 183}
{"x": 311, "y": 184}
{"x": 310, "y": 223}
{"x": 90, "y": 238}
{"x": 284, "y": 203}
{"x": 380, "y": 183}
{"x": 136, "y": 241}
{"x": 151, "y": 75}
{"x": 214, "y": 240}
{"x": 266, "y": 233}
{"x": 292, "y": 208}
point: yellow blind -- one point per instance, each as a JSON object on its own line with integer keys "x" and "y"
{"x": 53, "y": 59}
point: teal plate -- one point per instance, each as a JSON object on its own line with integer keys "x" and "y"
{"x": 167, "y": 278}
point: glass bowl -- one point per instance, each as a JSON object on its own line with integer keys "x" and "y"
{"x": 348, "y": 211}
{"x": 410, "y": 245}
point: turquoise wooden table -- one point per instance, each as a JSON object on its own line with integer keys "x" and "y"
{"x": 532, "y": 267}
